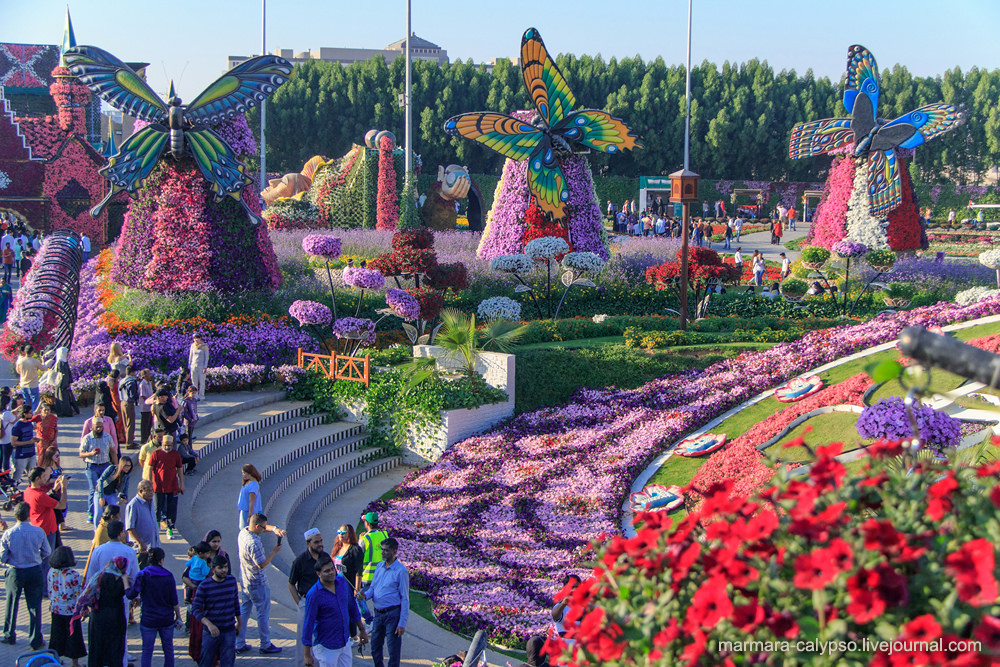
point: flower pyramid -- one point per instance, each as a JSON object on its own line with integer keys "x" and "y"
{"x": 843, "y": 211}
{"x": 507, "y": 224}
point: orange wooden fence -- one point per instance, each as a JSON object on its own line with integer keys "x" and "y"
{"x": 337, "y": 366}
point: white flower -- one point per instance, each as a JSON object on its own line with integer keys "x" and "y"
{"x": 499, "y": 308}
{"x": 599, "y": 318}
{"x": 975, "y": 295}
{"x": 546, "y": 247}
{"x": 990, "y": 258}
{"x": 583, "y": 261}
{"x": 861, "y": 226}
{"x": 4, "y": 180}
{"x": 512, "y": 264}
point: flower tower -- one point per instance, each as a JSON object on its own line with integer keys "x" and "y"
{"x": 508, "y": 225}
{"x": 177, "y": 238}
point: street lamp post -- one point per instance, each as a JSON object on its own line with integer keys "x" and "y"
{"x": 407, "y": 111}
{"x": 263, "y": 103}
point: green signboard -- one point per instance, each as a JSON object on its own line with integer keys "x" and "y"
{"x": 654, "y": 182}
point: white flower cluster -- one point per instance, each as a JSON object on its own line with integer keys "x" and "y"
{"x": 599, "y": 318}
{"x": 296, "y": 210}
{"x": 990, "y": 258}
{"x": 975, "y": 295}
{"x": 861, "y": 226}
{"x": 583, "y": 261}
{"x": 512, "y": 264}
{"x": 499, "y": 308}
{"x": 546, "y": 247}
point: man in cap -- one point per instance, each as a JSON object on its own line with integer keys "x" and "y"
{"x": 371, "y": 544}
{"x": 301, "y": 578}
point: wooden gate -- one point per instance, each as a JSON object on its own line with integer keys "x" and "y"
{"x": 338, "y": 367}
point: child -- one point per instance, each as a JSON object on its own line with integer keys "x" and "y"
{"x": 189, "y": 411}
{"x": 196, "y": 569}
{"x": 46, "y": 429}
{"x": 188, "y": 455}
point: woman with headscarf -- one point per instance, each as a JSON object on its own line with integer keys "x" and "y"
{"x": 6, "y": 298}
{"x": 198, "y": 363}
{"x": 111, "y": 513}
{"x": 104, "y": 599}
{"x": 65, "y": 401}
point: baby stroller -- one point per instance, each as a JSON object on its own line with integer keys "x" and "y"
{"x": 10, "y": 495}
{"x": 44, "y": 658}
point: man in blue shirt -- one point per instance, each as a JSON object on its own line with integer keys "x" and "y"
{"x": 22, "y": 549}
{"x": 390, "y": 594}
{"x": 326, "y": 629}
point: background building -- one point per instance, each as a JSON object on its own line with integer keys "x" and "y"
{"x": 420, "y": 49}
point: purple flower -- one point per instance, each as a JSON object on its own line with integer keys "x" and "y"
{"x": 849, "y": 248}
{"x": 322, "y": 245}
{"x": 310, "y": 312}
{"x": 403, "y": 304}
{"x": 363, "y": 278}
{"x": 355, "y": 328}
{"x": 888, "y": 420}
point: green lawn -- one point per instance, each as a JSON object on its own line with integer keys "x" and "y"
{"x": 832, "y": 427}
{"x": 573, "y": 344}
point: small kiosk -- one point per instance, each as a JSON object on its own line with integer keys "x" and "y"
{"x": 652, "y": 186}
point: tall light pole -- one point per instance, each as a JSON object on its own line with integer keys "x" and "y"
{"x": 263, "y": 104}
{"x": 407, "y": 112}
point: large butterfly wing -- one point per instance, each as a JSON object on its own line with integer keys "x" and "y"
{"x": 238, "y": 90}
{"x": 115, "y": 83}
{"x": 128, "y": 168}
{"x": 862, "y": 77}
{"x": 506, "y": 135}
{"x": 546, "y": 180}
{"x": 885, "y": 190}
{"x": 219, "y": 166}
{"x": 819, "y": 136}
{"x": 545, "y": 83}
{"x": 598, "y": 130}
{"x": 927, "y": 122}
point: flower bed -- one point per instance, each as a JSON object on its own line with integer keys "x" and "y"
{"x": 493, "y": 526}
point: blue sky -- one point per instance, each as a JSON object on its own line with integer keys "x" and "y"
{"x": 189, "y": 41}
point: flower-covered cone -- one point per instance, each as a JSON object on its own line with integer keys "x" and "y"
{"x": 177, "y": 238}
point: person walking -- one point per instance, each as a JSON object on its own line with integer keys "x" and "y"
{"x": 129, "y": 397}
{"x": 97, "y": 452}
{"x": 22, "y": 550}
{"x": 85, "y": 247}
{"x": 349, "y": 559}
{"x": 166, "y": 468}
{"x": 65, "y": 586}
{"x": 791, "y": 217}
{"x": 786, "y": 266}
{"x": 249, "y": 502}
{"x": 727, "y": 245}
{"x": 44, "y": 506}
{"x": 330, "y": 613}
{"x": 112, "y": 486}
{"x": 113, "y": 548}
{"x": 161, "y": 613}
{"x": 198, "y": 363}
{"x": 145, "y": 409}
{"x": 256, "y": 593}
{"x": 390, "y": 595}
{"x": 111, "y": 513}
{"x": 28, "y": 367}
{"x": 23, "y": 441}
{"x": 759, "y": 267}
{"x": 165, "y": 412}
{"x": 140, "y": 522}
{"x": 6, "y": 298}
{"x": 371, "y": 548}
{"x": 104, "y": 600}
{"x": 189, "y": 412}
{"x": 216, "y": 605}
{"x": 301, "y": 578}
{"x": 65, "y": 405}
{"x": 8, "y": 262}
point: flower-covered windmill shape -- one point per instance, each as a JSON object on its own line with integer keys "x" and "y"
{"x": 547, "y": 139}
{"x": 185, "y": 127}
{"x": 874, "y": 138}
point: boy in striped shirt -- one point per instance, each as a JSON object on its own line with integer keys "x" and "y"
{"x": 217, "y": 605}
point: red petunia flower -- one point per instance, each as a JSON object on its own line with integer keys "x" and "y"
{"x": 761, "y": 526}
{"x": 710, "y": 604}
{"x": 988, "y": 632}
{"x": 814, "y": 570}
{"x": 922, "y": 629}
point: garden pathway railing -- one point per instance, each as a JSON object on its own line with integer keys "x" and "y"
{"x": 337, "y": 366}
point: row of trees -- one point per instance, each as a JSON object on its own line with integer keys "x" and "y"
{"x": 742, "y": 114}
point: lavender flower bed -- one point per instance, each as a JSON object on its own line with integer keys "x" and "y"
{"x": 934, "y": 275}
{"x": 266, "y": 343}
{"x": 491, "y": 528}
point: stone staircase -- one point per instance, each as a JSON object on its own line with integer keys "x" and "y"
{"x": 306, "y": 465}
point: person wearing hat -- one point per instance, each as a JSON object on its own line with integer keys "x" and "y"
{"x": 371, "y": 545}
{"x": 198, "y": 363}
{"x": 301, "y": 578}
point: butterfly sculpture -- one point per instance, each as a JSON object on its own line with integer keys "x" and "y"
{"x": 873, "y": 137}
{"x": 546, "y": 139}
{"x": 185, "y": 127}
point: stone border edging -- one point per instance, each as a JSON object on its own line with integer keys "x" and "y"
{"x": 657, "y": 463}
{"x": 801, "y": 419}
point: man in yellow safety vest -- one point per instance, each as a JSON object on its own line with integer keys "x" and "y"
{"x": 371, "y": 544}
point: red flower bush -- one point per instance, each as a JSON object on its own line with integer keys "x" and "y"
{"x": 803, "y": 560}
{"x": 412, "y": 260}
{"x": 386, "y": 264}
{"x": 431, "y": 302}
{"x": 419, "y": 238}
{"x": 904, "y": 220}
{"x": 452, "y": 275}
{"x": 704, "y": 264}
{"x": 387, "y": 199}
{"x": 830, "y": 222}
{"x": 536, "y": 226}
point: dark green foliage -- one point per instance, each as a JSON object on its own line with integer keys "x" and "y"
{"x": 550, "y": 377}
{"x": 742, "y": 115}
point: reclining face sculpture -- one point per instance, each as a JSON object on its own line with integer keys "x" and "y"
{"x": 455, "y": 181}
{"x": 288, "y": 185}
